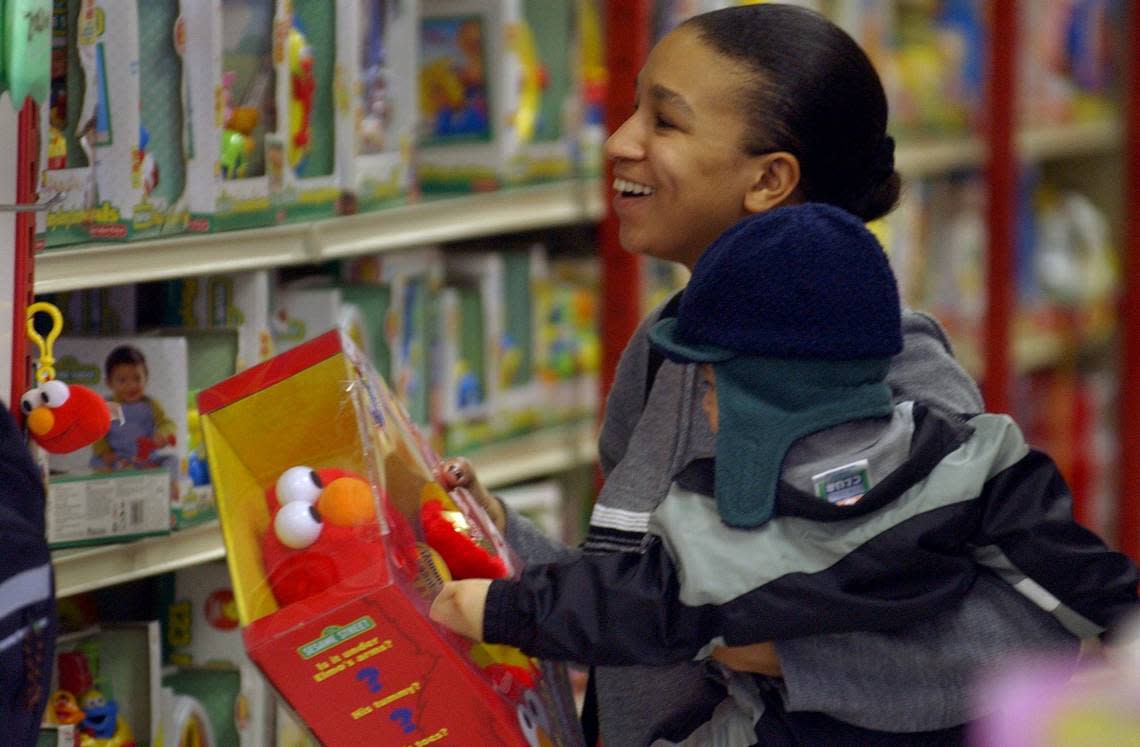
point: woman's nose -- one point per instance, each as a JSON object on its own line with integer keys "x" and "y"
{"x": 626, "y": 142}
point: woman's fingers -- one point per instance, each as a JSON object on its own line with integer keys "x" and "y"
{"x": 454, "y": 473}
{"x": 457, "y": 472}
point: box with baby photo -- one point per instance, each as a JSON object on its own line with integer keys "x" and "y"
{"x": 338, "y": 538}
{"x": 126, "y": 484}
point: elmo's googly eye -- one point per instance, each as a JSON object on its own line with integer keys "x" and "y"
{"x": 298, "y": 484}
{"x": 54, "y": 393}
{"x": 31, "y": 400}
{"x": 297, "y": 525}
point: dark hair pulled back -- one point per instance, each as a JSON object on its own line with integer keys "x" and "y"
{"x": 815, "y": 95}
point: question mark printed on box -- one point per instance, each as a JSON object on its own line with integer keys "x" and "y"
{"x": 404, "y": 717}
{"x": 371, "y": 677}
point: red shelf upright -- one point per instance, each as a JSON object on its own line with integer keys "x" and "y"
{"x": 1001, "y": 193}
{"x": 24, "y": 266}
{"x": 627, "y": 46}
{"x": 1128, "y": 413}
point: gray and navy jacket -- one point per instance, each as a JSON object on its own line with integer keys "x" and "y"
{"x": 27, "y": 599}
{"x": 918, "y": 679}
{"x": 971, "y": 498}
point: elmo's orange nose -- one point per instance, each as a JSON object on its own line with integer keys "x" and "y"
{"x": 40, "y": 421}
{"x": 347, "y": 502}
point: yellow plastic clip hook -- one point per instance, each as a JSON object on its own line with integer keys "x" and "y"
{"x": 45, "y": 367}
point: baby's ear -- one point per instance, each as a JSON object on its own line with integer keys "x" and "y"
{"x": 775, "y": 181}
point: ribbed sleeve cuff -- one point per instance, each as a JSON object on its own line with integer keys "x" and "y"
{"x": 500, "y": 612}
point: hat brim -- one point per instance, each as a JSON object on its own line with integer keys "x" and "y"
{"x": 663, "y": 335}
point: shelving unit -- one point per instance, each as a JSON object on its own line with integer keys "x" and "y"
{"x": 499, "y": 464}
{"x": 429, "y": 221}
{"x": 925, "y": 159}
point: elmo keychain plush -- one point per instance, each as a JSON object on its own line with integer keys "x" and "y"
{"x": 324, "y": 530}
{"x": 63, "y": 417}
{"x": 60, "y": 417}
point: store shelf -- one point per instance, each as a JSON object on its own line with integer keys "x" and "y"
{"x": 923, "y": 159}
{"x": 543, "y": 452}
{"x": 1070, "y": 141}
{"x": 434, "y": 220}
{"x": 84, "y": 569}
{"x": 452, "y": 219}
{"x": 88, "y": 568}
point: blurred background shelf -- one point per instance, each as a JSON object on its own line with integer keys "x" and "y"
{"x": 428, "y": 221}
{"x": 929, "y": 158}
{"x": 522, "y": 458}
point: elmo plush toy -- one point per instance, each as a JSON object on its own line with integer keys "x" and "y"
{"x": 63, "y": 418}
{"x": 324, "y": 530}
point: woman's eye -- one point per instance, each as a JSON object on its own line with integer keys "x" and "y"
{"x": 663, "y": 123}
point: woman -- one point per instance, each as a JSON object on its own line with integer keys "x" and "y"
{"x": 737, "y": 112}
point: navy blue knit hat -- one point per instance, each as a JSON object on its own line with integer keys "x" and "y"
{"x": 804, "y": 281}
{"x": 798, "y": 311}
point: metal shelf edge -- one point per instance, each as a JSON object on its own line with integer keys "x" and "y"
{"x": 1036, "y": 143}
{"x": 431, "y": 221}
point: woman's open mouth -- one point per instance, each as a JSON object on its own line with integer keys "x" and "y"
{"x": 627, "y": 188}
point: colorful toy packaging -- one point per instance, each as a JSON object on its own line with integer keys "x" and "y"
{"x": 237, "y": 159}
{"x": 375, "y": 142}
{"x": 106, "y": 685}
{"x": 478, "y": 102}
{"x": 413, "y": 278}
{"x": 311, "y": 95}
{"x": 91, "y": 142}
{"x": 202, "y": 637}
{"x": 137, "y": 479}
{"x": 486, "y": 374}
{"x": 337, "y": 540}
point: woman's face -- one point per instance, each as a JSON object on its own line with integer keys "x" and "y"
{"x": 680, "y": 173}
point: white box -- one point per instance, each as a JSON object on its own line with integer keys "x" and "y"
{"x": 380, "y": 40}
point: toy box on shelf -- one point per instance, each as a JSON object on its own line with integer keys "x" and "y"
{"x": 105, "y": 683}
{"x": 98, "y": 311}
{"x": 90, "y": 134}
{"x": 545, "y": 43}
{"x": 238, "y": 160}
{"x": 486, "y": 375}
{"x": 312, "y": 95}
{"x": 474, "y": 91}
{"x": 375, "y": 142}
{"x": 202, "y": 637}
{"x": 568, "y": 355}
{"x": 414, "y": 278}
{"x": 590, "y": 81}
{"x": 335, "y": 612}
{"x": 238, "y": 301}
{"x": 302, "y": 311}
{"x": 134, "y": 481}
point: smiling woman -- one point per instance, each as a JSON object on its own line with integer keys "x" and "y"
{"x": 737, "y": 113}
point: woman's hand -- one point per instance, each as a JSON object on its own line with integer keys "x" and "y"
{"x": 760, "y": 658}
{"x": 460, "y": 606}
{"x": 457, "y": 472}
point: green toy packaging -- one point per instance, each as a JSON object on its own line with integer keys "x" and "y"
{"x": 477, "y": 100}
{"x": 235, "y": 158}
{"x": 375, "y": 142}
{"x": 311, "y": 97}
{"x": 90, "y": 134}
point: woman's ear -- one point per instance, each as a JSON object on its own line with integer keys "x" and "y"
{"x": 777, "y": 179}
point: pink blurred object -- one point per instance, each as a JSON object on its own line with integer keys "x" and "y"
{"x": 1043, "y": 703}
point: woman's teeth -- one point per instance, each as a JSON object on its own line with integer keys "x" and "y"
{"x": 627, "y": 187}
